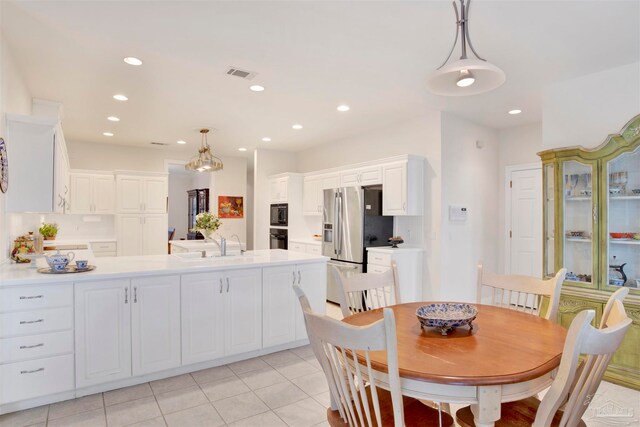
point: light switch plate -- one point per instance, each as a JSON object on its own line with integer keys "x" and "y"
{"x": 457, "y": 213}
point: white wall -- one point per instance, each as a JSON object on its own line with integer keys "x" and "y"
{"x": 469, "y": 179}
{"x": 517, "y": 145}
{"x": 14, "y": 98}
{"x": 583, "y": 111}
{"x": 266, "y": 163}
{"x": 419, "y": 136}
{"x": 231, "y": 181}
{"x": 179, "y": 184}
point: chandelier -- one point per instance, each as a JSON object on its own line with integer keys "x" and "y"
{"x": 204, "y": 161}
{"x": 465, "y": 76}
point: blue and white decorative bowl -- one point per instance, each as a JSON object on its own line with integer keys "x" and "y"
{"x": 446, "y": 316}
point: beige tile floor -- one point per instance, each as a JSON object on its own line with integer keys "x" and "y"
{"x": 279, "y": 389}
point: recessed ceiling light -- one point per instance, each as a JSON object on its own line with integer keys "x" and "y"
{"x": 256, "y": 88}
{"x": 343, "y": 108}
{"x": 107, "y": 134}
{"x": 242, "y": 149}
{"x": 120, "y": 97}
{"x": 113, "y": 119}
{"x": 296, "y": 127}
{"x": 266, "y": 139}
{"x": 514, "y": 112}
{"x": 132, "y": 60}
{"x": 181, "y": 142}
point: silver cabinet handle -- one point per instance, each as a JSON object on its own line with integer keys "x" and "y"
{"x": 293, "y": 273}
{"x": 140, "y": 206}
{"x": 299, "y": 277}
{"x": 227, "y": 284}
{"x": 404, "y": 206}
{"x": 221, "y": 285}
{"x": 32, "y": 297}
{"x": 24, "y": 347}
{"x": 126, "y": 295}
{"x": 26, "y": 322}
{"x": 135, "y": 294}
{"x": 595, "y": 214}
{"x": 31, "y": 372}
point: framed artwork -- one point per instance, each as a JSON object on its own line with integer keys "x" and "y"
{"x": 230, "y": 207}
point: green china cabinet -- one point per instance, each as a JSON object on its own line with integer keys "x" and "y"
{"x": 592, "y": 228}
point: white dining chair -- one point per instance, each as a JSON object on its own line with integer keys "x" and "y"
{"x": 610, "y": 308}
{"x": 367, "y": 291}
{"x": 575, "y": 383}
{"x": 356, "y": 400}
{"x": 522, "y": 293}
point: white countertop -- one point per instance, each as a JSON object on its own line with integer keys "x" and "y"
{"x": 77, "y": 241}
{"x": 200, "y": 245}
{"x": 389, "y": 249}
{"x": 12, "y": 274}
{"x": 306, "y": 241}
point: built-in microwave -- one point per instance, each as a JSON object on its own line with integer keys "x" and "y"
{"x": 279, "y": 214}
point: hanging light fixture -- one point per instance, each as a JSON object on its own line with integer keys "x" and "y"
{"x": 204, "y": 161}
{"x": 465, "y": 76}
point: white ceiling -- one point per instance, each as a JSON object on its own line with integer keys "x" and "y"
{"x": 310, "y": 55}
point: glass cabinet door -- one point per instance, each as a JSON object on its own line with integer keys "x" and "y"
{"x": 578, "y": 221}
{"x": 623, "y": 220}
{"x": 549, "y": 221}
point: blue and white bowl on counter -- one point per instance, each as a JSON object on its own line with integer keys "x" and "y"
{"x": 446, "y": 316}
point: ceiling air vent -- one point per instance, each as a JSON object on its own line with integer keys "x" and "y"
{"x": 162, "y": 144}
{"x": 243, "y": 74}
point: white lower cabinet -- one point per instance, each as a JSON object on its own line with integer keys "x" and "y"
{"x": 103, "y": 332}
{"x": 126, "y": 328}
{"x": 282, "y": 316}
{"x": 221, "y": 314}
{"x": 155, "y": 324}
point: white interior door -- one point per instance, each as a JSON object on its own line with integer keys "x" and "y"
{"x": 524, "y": 251}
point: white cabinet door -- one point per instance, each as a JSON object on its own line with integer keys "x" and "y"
{"x": 243, "y": 311}
{"x": 349, "y": 178}
{"x": 312, "y": 278}
{"x": 297, "y": 247}
{"x": 278, "y": 305}
{"x": 370, "y": 176}
{"x": 81, "y": 194}
{"x": 129, "y": 230}
{"x": 155, "y": 195}
{"x": 155, "y": 324}
{"x": 129, "y": 191}
{"x": 103, "y": 194}
{"x": 311, "y": 201}
{"x": 394, "y": 200}
{"x": 278, "y": 190}
{"x": 154, "y": 235}
{"x": 203, "y": 299}
{"x": 103, "y": 331}
{"x": 329, "y": 181}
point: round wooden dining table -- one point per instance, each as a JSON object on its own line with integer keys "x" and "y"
{"x": 507, "y": 355}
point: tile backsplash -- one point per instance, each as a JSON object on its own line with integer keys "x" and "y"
{"x": 69, "y": 226}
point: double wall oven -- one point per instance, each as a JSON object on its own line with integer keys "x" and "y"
{"x": 278, "y": 237}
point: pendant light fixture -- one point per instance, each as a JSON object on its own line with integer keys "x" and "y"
{"x": 465, "y": 76}
{"x": 204, "y": 161}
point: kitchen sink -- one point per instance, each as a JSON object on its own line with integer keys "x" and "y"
{"x": 197, "y": 256}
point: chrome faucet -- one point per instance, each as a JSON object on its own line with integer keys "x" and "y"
{"x": 222, "y": 245}
{"x": 242, "y": 251}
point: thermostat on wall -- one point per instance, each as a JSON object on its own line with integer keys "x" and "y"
{"x": 457, "y": 213}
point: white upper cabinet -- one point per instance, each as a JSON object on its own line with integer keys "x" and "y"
{"x": 403, "y": 188}
{"x": 141, "y": 194}
{"x": 91, "y": 193}
{"x": 314, "y": 186}
{"x": 278, "y": 190}
{"x": 371, "y": 175}
{"x": 37, "y": 156}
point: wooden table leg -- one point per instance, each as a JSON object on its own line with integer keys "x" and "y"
{"x": 487, "y": 411}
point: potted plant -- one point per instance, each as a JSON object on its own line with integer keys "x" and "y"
{"x": 48, "y": 231}
{"x": 207, "y": 223}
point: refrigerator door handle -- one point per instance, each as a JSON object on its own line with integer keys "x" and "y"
{"x": 336, "y": 224}
{"x": 339, "y": 228}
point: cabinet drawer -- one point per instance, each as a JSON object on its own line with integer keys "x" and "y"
{"x": 314, "y": 249}
{"x": 35, "y": 322}
{"x": 26, "y": 380}
{"x": 103, "y": 246}
{"x": 297, "y": 247}
{"x": 104, "y": 254}
{"x": 379, "y": 259}
{"x": 34, "y": 297}
{"x": 377, "y": 269}
{"x": 33, "y": 346}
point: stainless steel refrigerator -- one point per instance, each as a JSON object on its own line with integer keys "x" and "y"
{"x": 352, "y": 221}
